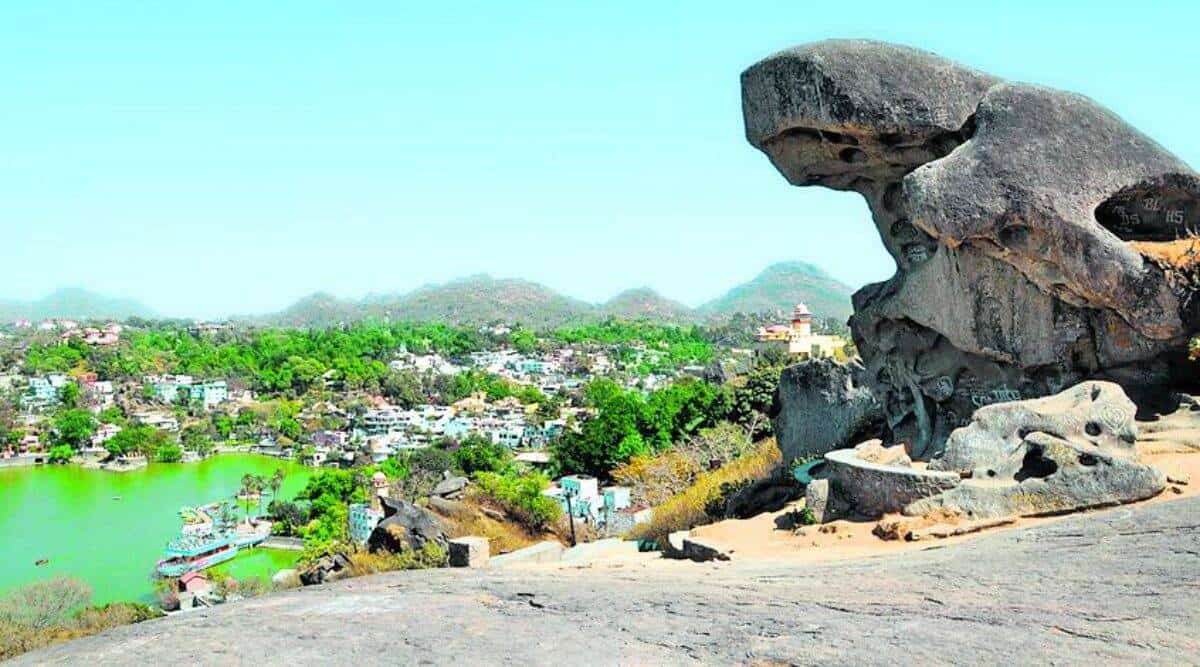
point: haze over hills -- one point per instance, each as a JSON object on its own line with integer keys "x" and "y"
{"x": 74, "y": 303}
{"x": 481, "y": 299}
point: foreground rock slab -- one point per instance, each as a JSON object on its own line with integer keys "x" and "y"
{"x": 1120, "y": 588}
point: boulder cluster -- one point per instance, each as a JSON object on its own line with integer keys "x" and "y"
{"x": 1046, "y": 264}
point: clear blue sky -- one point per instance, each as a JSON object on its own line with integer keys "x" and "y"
{"x": 219, "y": 157}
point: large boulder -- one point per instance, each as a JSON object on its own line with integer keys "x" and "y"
{"x": 1047, "y": 475}
{"x": 872, "y": 483}
{"x": 1037, "y": 237}
{"x": 822, "y": 405}
{"x": 405, "y": 527}
{"x": 1093, "y": 414}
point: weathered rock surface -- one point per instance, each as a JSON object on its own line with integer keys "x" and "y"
{"x": 469, "y": 552}
{"x": 1091, "y": 414}
{"x": 1070, "y": 451}
{"x": 1047, "y": 475}
{"x": 1027, "y": 226}
{"x": 451, "y": 487}
{"x": 873, "y": 489}
{"x": 325, "y": 570}
{"x": 821, "y": 406}
{"x": 1120, "y": 588}
{"x": 405, "y": 526}
{"x": 548, "y": 551}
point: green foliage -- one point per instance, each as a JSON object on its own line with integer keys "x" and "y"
{"x": 680, "y": 345}
{"x": 492, "y": 386}
{"x": 56, "y": 357}
{"x": 142, "y": 439}
{"x": 170, "y": 453}
{"x": 478, "y": 454}
{"x": 60, "y": 453}
{"x": 753, "y": 401}
{"x": 328, "y": 493}
{"x": 403, "y": 388}
{"x": 628, "y": 425}
{"x": 271, "y": 361}
{"x": 520, "y": 496}
{"x": 195, "y": 438}
{"x": 69, "y": 396}
{"x": 112, "y": 415}
{"x": 73, "y": 427}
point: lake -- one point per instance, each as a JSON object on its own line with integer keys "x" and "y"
{"x": 68, "y": 514}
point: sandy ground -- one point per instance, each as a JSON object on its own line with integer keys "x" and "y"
{"x": 759, "y": 538}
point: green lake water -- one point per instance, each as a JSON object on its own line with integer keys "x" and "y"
{"x": 69, "y": 515}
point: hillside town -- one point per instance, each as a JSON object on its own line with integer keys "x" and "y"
{"x": 518, "y": 399}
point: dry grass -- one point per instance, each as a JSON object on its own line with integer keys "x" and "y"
{"x": 17, "y": 638}
{"x": 363, "y": 563}
{"x": 502, "y": 536}
{"x": 689, "y": 508}
{"x": 653, "y": 480}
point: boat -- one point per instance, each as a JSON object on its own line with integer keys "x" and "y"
{"x": 191, "y": 552}
{"x": 41, "y": 561}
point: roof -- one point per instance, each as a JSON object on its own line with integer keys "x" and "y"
{"x": 189, "y": 577}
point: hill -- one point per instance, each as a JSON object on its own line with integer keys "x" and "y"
{"x": 481, "y": 299}
{"x": 780, "y": 287}
{"x": 317, "y": 310}
{"x": 644, "y": 302}
{"x": 74, "y": 303}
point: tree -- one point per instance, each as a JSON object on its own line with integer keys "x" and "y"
{"x": 606, "y": 440}
{"x": 479, "y": 454}
{"x": 69, "y": 395}
{"x": 402, "y": 388}
{"x": 276, "y": 482}
{"x": 73, "y": 428}
{"x": 170, "y": 453}
{"x": 195, "y": 438}
{"x": 60, "y": 453}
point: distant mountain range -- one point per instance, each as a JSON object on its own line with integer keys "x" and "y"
{"x": 482, "y": 299}
{"x": 73, "y": 303}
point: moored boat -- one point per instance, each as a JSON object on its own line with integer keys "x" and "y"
{"x": 193, "y": 552}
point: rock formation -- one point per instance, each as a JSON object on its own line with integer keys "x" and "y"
{"x": 821, "y": 406}
{"x": 405, "y": 526}
{"x": 1037, "y": 237}
{"x": 1071, "y": 451}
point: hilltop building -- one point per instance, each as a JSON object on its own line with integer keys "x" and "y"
{"x": 799, "y": 336}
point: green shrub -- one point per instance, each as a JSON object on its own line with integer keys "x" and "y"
{"x": 520, "y": 496}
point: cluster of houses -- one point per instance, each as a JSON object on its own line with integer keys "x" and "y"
{"x": 174, "y": 388}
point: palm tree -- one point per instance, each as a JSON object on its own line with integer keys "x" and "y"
{"x": 245, "y": 492}
{"x": 276, "y": 483}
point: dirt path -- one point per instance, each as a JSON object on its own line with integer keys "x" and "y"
{"x": 1114, "y": 586}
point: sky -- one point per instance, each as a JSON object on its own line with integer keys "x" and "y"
{"x": 210, "y": 158}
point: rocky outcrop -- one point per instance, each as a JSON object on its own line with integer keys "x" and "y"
{"x": 405, "y": 526}
{"x": 1091, "y": 414}
{"x": 821, "y": 406}
{"x": 873, "y": 485}
{"x": 1047, "y": 475}
{"x": 1028, "y": 227}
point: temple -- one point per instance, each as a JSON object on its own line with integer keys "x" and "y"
{"x": 799, "y": 337}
